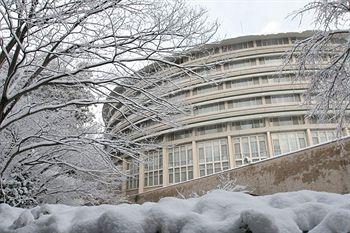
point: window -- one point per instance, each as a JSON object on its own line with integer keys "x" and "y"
{"x": 207, "y": 89}
{"x": 132, "y": 181}
{"x": 213, "y": 156}
{"x": 282, "y": 121}
{"x": 180, "y": 163}
{"x": 217, "y": 128}
{"x": 287, "y": 78}
{"x": 205, "y": 53}
{"x": 248, "y": 102}
{"x": 148, "y": 123}
{"x": 239, "y": 64}
{"x": 209, "y": 108}
{"x": 244, "y": 45}
{"x": 269, "y": 42}
{"x": 180, "y": 135}
{"x": 179, "y": 95}
{"x": 322, "y": 120}
{"x": 239, "y": 83}
{"x": 321, "y": 136}
{"x": 270, "y": 60}
{"x": 154, "y": 168}
{"x": 248, "y": 124}
{"x": 261, "y": 80}
{"x": 288, "y": 142}
{"x": 208, "y": 70}
{"x": 295, "y": 39}
{"x": 249, "y": 149}
{"x": 276, "y": 99}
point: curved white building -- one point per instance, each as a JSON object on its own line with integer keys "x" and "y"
{"x": 246, "y": 115}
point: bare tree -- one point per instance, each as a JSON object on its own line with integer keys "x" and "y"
{"x": 60, "y": 57}
{"x": 324, "y": 60}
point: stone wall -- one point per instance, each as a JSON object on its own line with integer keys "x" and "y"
{"x": 322, "y": 168}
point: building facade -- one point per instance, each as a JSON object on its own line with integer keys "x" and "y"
{"x": 243, "y": 114}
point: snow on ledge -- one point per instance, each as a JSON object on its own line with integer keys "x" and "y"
{"x": 217, "y": 211}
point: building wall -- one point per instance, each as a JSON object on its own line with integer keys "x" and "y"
{"x": 215, "y": 135}
{"x": 324, "y": 167}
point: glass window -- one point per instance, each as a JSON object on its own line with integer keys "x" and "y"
{"x": 247, "y": 102}
{"x": 190, "y": 172}
{"x": 288, "y": 142}
{"x": 237, "y": 148}
{"x": 248, "y": 124}
{"x": 179, "y": 95}
{"x": 154, "y": 168}
{"x": 180, "y": 135}
{"x": 132, "y": 181}
{"x": 224, "y": 152}
{"x": 211, "y": 129}
{"x": 290, "y": 98}
{"x": 182, "y": 170}
{"x": 322, "y": 136}
{"x": 216, "y": 152}
{"x": 250, "y": 148}
{"x": 290, "y": 120}
{"x": 209, "y": 108}
{"x": 269, "y": 42}
{"x": 207, "y": 89}
{"x": 259, "y": 80}
{"x": 240, "y": 64}
{"x": 232, "y": 47}
{"x": 208, "y": 153}
{"x": 216, "y": 156}
{"x": 270, "y": 60}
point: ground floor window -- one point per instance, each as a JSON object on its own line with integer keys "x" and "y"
{"x": 321, "y": 136}
{"x": 213, "y": 156}
{"x": 154, "y": 168}
{"x": 132, "y": 169}
{"x": 249, "y": 149}
{"x": 180, "y": 163}
{"x": 288, "y": 142}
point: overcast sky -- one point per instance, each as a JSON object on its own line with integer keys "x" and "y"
{"x": 247, "y": 17}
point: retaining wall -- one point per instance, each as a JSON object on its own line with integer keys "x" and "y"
{"x": 321, "y": 168}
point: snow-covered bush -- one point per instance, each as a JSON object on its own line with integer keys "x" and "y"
{"x": 218, "y": 211}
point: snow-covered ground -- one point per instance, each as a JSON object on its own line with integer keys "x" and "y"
{"x": 217, "y": 211}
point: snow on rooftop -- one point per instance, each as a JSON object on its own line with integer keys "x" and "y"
{"x": 218, "y": 211}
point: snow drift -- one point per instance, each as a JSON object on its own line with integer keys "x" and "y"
{"x": 217, "y": 211}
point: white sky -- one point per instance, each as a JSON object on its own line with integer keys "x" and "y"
{"x": 248, "y": 17}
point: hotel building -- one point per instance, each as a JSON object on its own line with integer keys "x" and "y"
{"x": 244, "y": 114}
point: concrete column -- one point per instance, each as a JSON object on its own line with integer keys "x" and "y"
{"x": 195, "y": 160}
{"x": 267, "y": 120}
{"x": 309, "y": 137}
{"x": 257, "y": 61}
{"x": 269, "y": 144}
{"x": 230, "y": 152}
{"x": 165, "y": 167}
{"x": 254, "y": 44}
{"x": 141, "y": 177}
{"x": 226, "y": 104}
{"x": 124, "y": 167}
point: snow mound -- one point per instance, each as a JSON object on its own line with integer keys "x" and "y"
{"x": 218, "y": 211}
